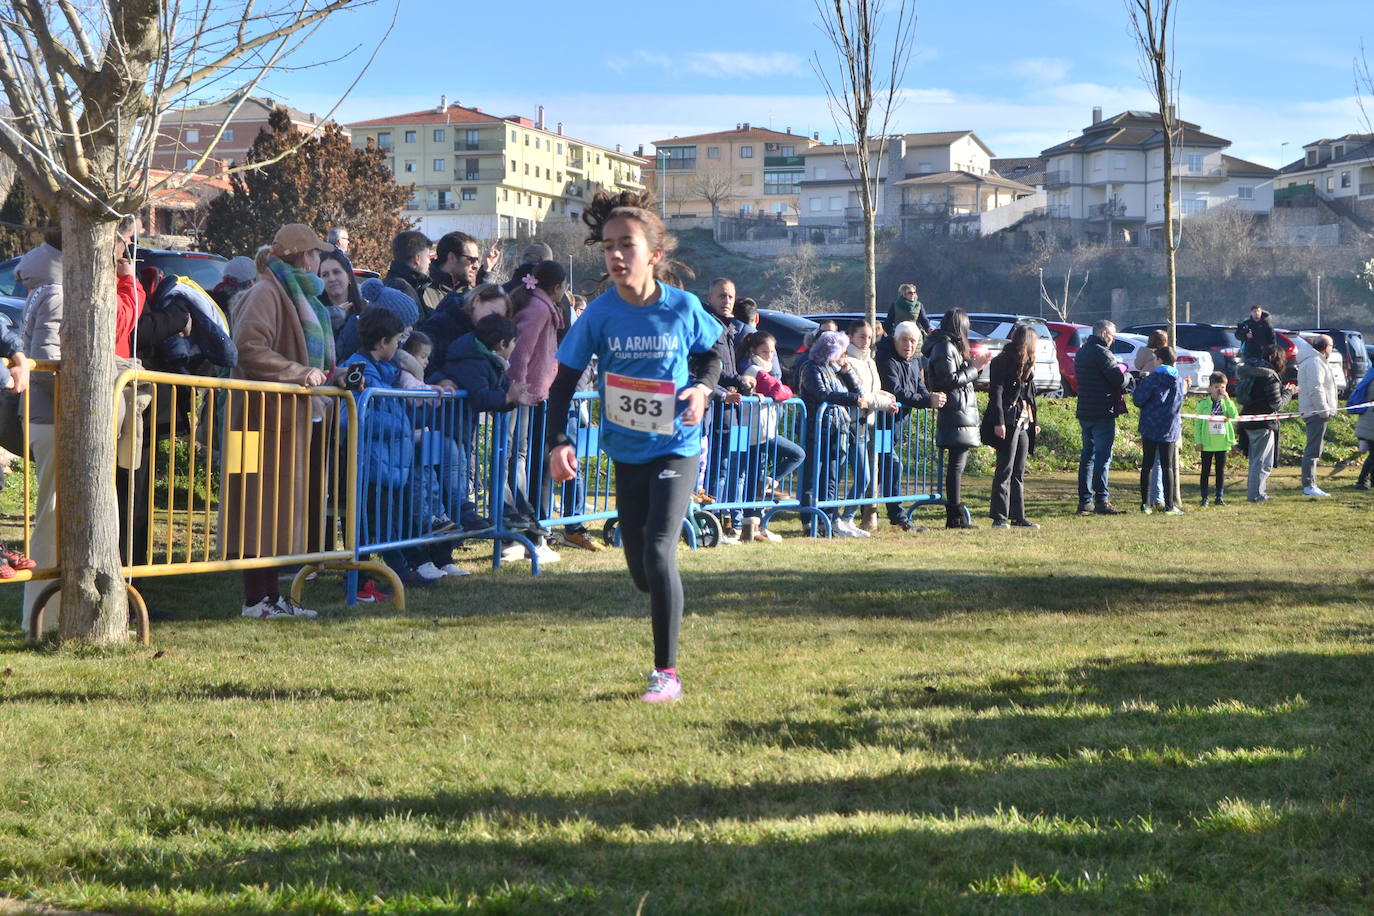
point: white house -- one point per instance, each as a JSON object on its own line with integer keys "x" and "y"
{"x": 1333, "y": 169}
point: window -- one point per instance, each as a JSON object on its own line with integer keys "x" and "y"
{"x": 228, "y": 134}
{"x": 746, "y": 152}
{"x": 384, "y": 140}
{"x": 469, "y": 193}
{"x": 1330, "y": 183}
{"x": 473, "y": 169}
{"x": 527, "y": 168}
{"x": 713, "y": 152}
{"x": 746, "y": 179}
{"x": 673, "y": 158}
{"x": 446, "y": 201}
{"x": 1345, "y": 179}
{"x": 190, "y": 163}
{"x": 778, "y": 207}
{"x": 536, "y": 171}
{"x": 439, "y": 134}
{"x": 527, "y": 139}
{"x": 1097, "y": 163}
{"x": 1118, "y": 161}
{"x": 536, "y": 143}
{"x": 820, "y": 173}
{"x": 558, "y": 148}
{"x": 514, "y": 137}
{"x": 410, "y": 165}
{"x": 473, "y": 139}
{"x": 410, "y": 136}
{"x": 837, "y": 203}
{"x": 816, "y": 204}
{"x": 1311, "y": 157}
{"x": 787, "y": 151}
{"x": 924, "y": 167}
{"x": 192, "y": 136}
{"x": 782, "y": 182}
{"x": 513, "y": 167}
{"x": 439, "y": 165}
{"x": 1194, "y": 161}
{"x": 746, "y": 209}
{"x": 1245, "y": 192}
{"x": 505, "y": 193}
{"x": 560, "y": 177}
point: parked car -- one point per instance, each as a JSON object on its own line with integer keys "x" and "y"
{"x": 790, "y": 332}
{"x": 1193, "y": 365}
{"x": 1048, "y": 379}
{"x": 1334, "y": 359}
{"x": 10, "y": 287}
{"x": 205, "y": 268}
{"x": 1218, "y": 340}
{"x": 842, "y": 319}
{"x": 1350, "y": 344}
{"x": 978, "y": 343}
{"x": 1068, "y": 337}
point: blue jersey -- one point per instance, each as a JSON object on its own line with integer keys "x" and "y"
{"x": 642, "y": 355}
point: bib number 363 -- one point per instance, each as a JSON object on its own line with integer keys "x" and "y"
{"x": 648, "y": 405}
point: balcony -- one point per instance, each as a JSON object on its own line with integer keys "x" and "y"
{"x": 575, "y": 164}
{"x": 481, "y": 146}
{"x": 853, "y": 212}
{"x": 1057, "y": 211}
{"x": 1366, "y": 188}
{"x": 1112, "y": 209}
{"x": 925, "y": 209}
{"x": 496, "y": 174}
{"x": 1216, "y": 173}
{"x": 782, "y": 162}
{"x": 1058, "y": 179}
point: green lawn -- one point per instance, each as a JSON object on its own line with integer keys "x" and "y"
{"x": 1137, "y": 714}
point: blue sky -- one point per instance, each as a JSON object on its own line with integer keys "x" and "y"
{"x": 1022, "y": 76}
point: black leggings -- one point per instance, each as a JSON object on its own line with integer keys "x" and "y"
{"x": 1168, "y": 470}
{"x": 955, "y": 459}
{"x": 651, "y": 500}
{"x": 1219, "y": 460}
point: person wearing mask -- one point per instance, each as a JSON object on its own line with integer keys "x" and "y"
{"x": 1102, "y": 384}
{"x": 951, "y": 369}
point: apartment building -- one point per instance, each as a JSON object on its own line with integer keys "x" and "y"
{"x": 750, "y": 171}
{"x": 185, "y": 133}
{"x": 1108, "y": 182}
{"x": 492, "y": 176}
{"x": 1331, "y": 169}
{"x": 940, "y": 182}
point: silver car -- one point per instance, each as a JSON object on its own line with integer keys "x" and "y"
{"x": 993, "y": 324}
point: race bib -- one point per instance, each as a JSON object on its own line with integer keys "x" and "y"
{"x": 646, "y": 404}
{"x": 1216, "y": 427}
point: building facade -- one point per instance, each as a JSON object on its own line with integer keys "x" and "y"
{"x": 186, "y": 133}
{"x": 1108, "y": 182}
{"x": 1331, "y": 169}
{"x": 489, "y": 176}
{"x": 748, "y": 171}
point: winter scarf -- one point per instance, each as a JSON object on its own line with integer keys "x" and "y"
{"x": 304, "y": 289}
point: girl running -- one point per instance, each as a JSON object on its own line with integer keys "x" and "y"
{"x": 657, "y": 367}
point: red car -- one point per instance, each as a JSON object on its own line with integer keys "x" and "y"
{"x": 1068, "y": 337}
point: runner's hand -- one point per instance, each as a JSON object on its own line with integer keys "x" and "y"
{"x": 695, "y": 397}
{"x": 562, "y": 463}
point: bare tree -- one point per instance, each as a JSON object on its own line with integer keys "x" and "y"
{"x": 862, "y": 95}
{"x": 1218, "y": 243}
{"x": 715, "y": 186}
{"x": 87, "y": 86}
{"x": 799, "y": 270}
{"x": 1074, "y": 263}
{"x": 1153, "y": 27}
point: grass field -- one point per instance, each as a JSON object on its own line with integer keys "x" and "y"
{"x": 1133, "y": 714}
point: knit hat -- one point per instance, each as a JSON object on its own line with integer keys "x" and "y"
{"x": 241, "y": 270}
{"x": 828, "y": 347}
{"x": 536, "y": 252}
{"x": 382, "y": 296}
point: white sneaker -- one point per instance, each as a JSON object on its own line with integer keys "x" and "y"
{"x": 427, "y": 570}
{"x": 775, "y": 538}
{"x": 857, "y": 530}
{"x": 1314, "y": 491}
{"x": 513, "y": 553}
{"x": 453, "y": 569}
{"x": 266, "y": 609}
{"x": 546, "y": 553}
{"x": 290, "y": 608}
{"x": 842, "y": 528}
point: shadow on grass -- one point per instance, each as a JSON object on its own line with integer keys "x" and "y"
{"x": 1137, "y": 786}
{"x": 195, "y": 692}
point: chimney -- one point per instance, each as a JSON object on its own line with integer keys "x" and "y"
{"x": 560, "y": 128}
{"x": 789, "y": 129}
{"x": 1097, "y": 114}
{"x": 540, "y": 123}
{"x": 737, "y": 125}
{"x": 618, "y": 148}
{"x": 639, "y": 151}
{"x": 816, "y": 135}
{"x": 746, "y": 125}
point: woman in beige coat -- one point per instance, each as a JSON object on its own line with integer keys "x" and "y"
{"x": 276, "y": 452}
{"x": 865, "y": 369}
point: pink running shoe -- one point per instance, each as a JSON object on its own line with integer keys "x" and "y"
{"x": 663, "y": 688}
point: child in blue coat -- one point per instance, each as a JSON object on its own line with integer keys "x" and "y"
{"x": 1160, "y": 398}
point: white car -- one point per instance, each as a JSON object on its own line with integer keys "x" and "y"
{"x": 1047, "y": 377}
{"x": 1193, "y": 365}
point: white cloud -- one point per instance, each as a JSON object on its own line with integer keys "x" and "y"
{"x": 1041, "y": 69}
{"x": 720, "y": 64}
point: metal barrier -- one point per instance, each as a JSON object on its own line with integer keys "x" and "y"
{"x": 27, "y": 537}
{"x": 753, "y": 453}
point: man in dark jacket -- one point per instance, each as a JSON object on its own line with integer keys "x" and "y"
{"x": 1102, "y": 383}
{"x": 900, "y": 372}
{"x": 1255, "y": 333}
{"x": 411, "y": 253}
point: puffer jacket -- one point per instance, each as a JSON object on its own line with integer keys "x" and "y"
{"x": 1266, "y": 393}
{"x": 1100, "y": 380}
{"x": 1009, "y": 399}
{"x": 1255, "y": 335}
{"x": 41, "y": 271}
{"x": 824, "y": 384}
{"x": 1159, "y": 396}
{"x": 956, "y": 425}
{"x": 902, "y": 377}
{"x": 1316, "y": 384}
{"x": 385, "y": 438}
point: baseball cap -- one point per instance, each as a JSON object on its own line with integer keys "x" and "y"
{"x": 293, "y": 238}
{"x": 536, "y": 252}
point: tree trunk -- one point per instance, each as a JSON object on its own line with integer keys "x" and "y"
{"x": 94, "y": 601}
{"x": 870, "y": 266}
{"x": 1170, "y": 237}
{"x": 715, "y": 222}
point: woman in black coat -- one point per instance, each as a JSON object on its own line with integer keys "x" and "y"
{"x": 951, "y": 369}
{"x": 1009, "y": 426}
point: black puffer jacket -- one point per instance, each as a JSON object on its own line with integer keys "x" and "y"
{"x": 1266, "y": 394}
{"x": 956, "y": 426}
{"x": 1101, "y": 383}
{"x": 1255, "y": 335}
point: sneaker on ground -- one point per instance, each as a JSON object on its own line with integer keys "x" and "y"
{"x": 427, "y": 570}
{"x": 843, "y": 528}
{"x": 581, "y": 540}
{"x": 512, "y": 553}
{"x": 291, "y": 609}
{"x": 453, "y": 569}
{"x": 370, "y": 593}
{"x": 1147, "y": 509}
{"x": 546, "y": 553}
{"x": 663, "y": 688}
{"x": 1172, "y": 510}
{"x": 266, "y": 609}
{"x": 768, "y": 535}
{"x": 1314, "y": 491}
{"x": 1106, "y": 509}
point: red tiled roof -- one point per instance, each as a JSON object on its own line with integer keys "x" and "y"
{"x": 752, "y": 133}
{"x": 456, "y": 114}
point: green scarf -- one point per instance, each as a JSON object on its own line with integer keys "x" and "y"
{"x": 304, "y": 289}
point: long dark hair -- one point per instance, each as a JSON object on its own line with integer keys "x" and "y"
{"x": 638, "y": 206}
{"x": 1020, "y": 352}
{"x": 355, "y": 303}
{"x": 749, "y": 342}
{"x": 1276, "y": 357}
{"x": 955, "y": 326}
{"x": 547, "y": 276}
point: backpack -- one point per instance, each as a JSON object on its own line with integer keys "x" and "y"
{"x": 1360, "y": 393}
{"x": 1245, "y": 388}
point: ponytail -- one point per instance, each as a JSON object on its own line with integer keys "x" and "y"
{"x": 637, "y": 206}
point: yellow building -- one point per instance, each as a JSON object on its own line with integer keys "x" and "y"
{"x": 748, "y": 171}
{"x": 489, "y": 176}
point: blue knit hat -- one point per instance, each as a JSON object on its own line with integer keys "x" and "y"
{"x": 382, "y": 296}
